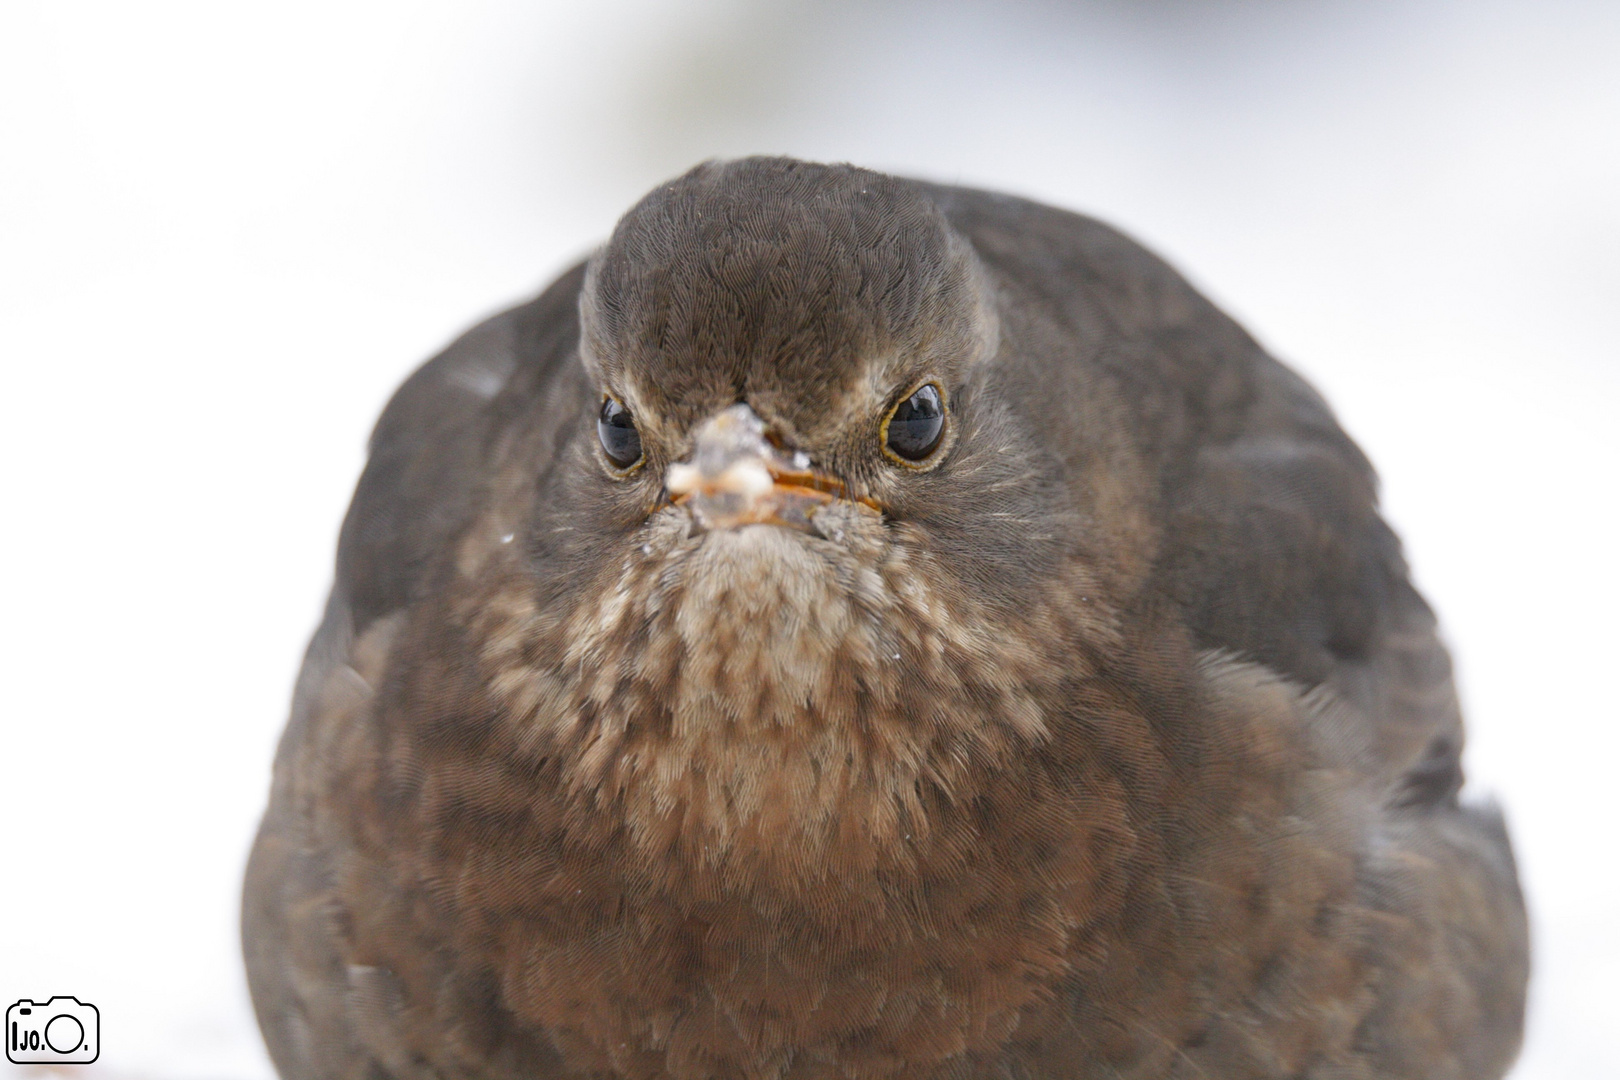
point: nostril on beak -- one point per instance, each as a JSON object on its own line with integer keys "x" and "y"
{"x": 773, "y": 435}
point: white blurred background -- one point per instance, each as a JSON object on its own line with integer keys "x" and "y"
{"x": 227, "y": 231}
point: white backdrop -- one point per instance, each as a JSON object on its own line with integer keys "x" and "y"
{"x": 227, "y": 231}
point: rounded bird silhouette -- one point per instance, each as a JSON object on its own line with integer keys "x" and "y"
{"x": 852, "y": 627}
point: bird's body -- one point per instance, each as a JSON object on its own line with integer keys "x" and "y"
{"x": 865, "y": 629}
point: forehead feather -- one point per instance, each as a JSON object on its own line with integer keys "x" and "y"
{"x": 773, "y": 280}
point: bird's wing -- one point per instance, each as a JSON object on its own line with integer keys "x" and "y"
{"x": 1270, "y": 542}
{"x": 1271, "y": 546}
{"x": 323, "y": 1011}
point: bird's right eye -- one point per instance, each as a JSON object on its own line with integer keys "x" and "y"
{"x": 616, "y": 428}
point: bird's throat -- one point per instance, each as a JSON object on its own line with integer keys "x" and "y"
{"x": 760, "y": 696}
{"x": 747, "y": 677}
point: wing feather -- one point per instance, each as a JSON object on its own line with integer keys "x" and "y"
{"x": 324, "y": 1012}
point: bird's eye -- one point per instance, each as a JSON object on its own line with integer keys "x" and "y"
{"x": 617, "y": 430}
{"x": 914, "y": 428}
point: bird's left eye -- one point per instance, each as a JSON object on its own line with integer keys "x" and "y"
{"x": 914, "y": 428}
{"x": 616, "y": 428}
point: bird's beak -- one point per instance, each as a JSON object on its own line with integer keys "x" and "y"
{"x": 736, "y": 477}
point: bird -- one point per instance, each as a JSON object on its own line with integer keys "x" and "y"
{"x": 851, "y": 626}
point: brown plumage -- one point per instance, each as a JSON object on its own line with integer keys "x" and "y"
{"x": 696, "y": 699}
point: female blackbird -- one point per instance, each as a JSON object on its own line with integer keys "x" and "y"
{"x": 858, "y": 628}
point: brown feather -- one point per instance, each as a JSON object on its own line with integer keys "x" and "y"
{"x": 1118, "y": 745}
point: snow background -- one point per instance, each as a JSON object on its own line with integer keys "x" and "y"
{"x": 228, "y": 231}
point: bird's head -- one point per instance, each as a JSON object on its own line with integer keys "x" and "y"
{"x": 797, "y": 553}
{"x": 777, "y": 342}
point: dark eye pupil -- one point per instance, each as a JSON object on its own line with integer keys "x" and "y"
{"x": 617, "y": 430}
{"x": 917, "y": 424}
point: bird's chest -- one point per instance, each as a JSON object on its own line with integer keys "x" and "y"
{"x": 829, "y": 927}
{"x": 716, "y": 971}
